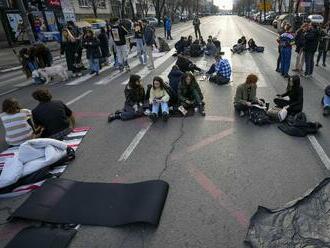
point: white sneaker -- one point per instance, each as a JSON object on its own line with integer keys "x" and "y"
{"x": 183, "y": 110}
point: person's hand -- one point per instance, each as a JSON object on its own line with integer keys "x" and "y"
{"x": 135, "y": 107}
{"x": 261, "y": 103}
{"x": 38, "y": 132}
{"x": 188, "y": 102}
{"x": 248, "y": 104}
{"x": 286, "y": 107}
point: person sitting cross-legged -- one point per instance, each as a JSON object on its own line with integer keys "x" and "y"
{"x": 190, "y": 94}
{"x": 222, "y": 69}
{"x": 246, "y": 95}
{"x": 210, "y": 49}
{"x": 293, "y": 98}
{"x": 53, "y": 116}
{"x": 326, "y": 101}
{"x": 159, "y": 99}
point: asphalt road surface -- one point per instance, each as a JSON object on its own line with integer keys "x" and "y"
{"x": 219, "y": 167}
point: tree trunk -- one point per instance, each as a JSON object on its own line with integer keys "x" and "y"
{"x": 94, "y": 7}
{"x": 122, "y": 11}
{"x": 326, "y": 10}
{"x": 132, "y": 9}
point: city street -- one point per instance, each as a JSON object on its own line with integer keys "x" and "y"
{"x": 220, "y": 167}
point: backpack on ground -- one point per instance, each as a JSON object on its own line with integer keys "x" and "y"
{"x": 258, "y": 115}
{"x": 277, "y": 114}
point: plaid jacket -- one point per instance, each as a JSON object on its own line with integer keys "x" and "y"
{"x": 223, "y": 68}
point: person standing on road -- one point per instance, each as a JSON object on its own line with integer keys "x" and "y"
{"x": 134, "y": 103}
{"x": 190, "y": 94}
{"x": 323, "y": 45}
{"x": 118, "y": 33}
{"x": 246, "y": 95}
{"x": 158, "y": 99}
{"x": 104, "y": 45}
{"x": 286, "y": 40}
{"x": 197, "y": 23}
{"x": 311, "y": 42}
{"x": 295, "y": 93}
{"x": 68, "y": 47}
{"x": 93, "y": 52}
{"x": 222, "y": 69}
{"x": 168, "y": 26}
{"x": 300, "y": 42}
{"x": 140, "y": 44}
{"x": 149, "y": 38}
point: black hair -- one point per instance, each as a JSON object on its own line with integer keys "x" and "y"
{"x": 42, "y": 95}
{"x": 132, "y": 80}
{"x": 327, "y": 90}
{"x": 160, "y": 80}
{"x": 295, "y": 79}
{"x": 188, "y": 74}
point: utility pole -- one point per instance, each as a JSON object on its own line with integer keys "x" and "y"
{"x": 26, "y": 22}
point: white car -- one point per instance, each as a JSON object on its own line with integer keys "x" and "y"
{"x": 152, "y": 20}
{"x": 316, "y": 18}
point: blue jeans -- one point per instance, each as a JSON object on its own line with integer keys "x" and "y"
{"x": 156, "y": 105}
{"x": 141, "y": 51}
{"x": 122, "y": 55}
{"x": 94, "y": 65}
{"x": 285, "y": 60}
{"x": 326, "y": 101}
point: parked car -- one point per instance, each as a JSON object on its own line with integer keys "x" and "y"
{"x": 316, "y": 19}
{"x": 152, "y": 20}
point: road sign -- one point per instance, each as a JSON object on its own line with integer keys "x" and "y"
{"x": 265, "y": 6}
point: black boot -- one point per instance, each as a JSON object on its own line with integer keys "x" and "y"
{"x": 165, "y": 116}
{"x": 113, "y": 117}
{"x": 201, "y": 110}
{"x": 153, "y": 117}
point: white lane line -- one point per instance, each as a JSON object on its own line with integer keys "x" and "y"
{"x": 319, "y": 150}
{"x": 7, "y": 92}
{"x": 134, "y": 143}
{"x": 158, "y": 62}
{"x": 79, "y": 97}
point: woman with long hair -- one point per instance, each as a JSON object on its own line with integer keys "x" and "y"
{"x": 159, "y": 99}
{"x": 69, "y": 47}
{"x": 293, "y": 98}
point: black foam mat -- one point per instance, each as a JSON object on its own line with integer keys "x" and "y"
{"x": 44, "y": 237}
{"x": 100, "y": 204}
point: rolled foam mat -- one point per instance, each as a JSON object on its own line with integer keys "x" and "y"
{"x": 100, "y": 204}
{"x": 44, "y": 237}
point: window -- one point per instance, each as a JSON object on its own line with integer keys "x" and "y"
{"x": 83, "y": 3}
{"x": 102, "y": 4}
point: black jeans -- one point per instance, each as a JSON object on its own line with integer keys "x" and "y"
{"x": 197, "y": 30}
{"x": 324, "y": 53}
{"x": 309, "y": 61}
{"x": 241, "y": 107}
{"x": 219, "y": 79}
{"x": 281, "y": 103}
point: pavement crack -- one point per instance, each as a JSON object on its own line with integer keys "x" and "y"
{"x": 173, "y": 146}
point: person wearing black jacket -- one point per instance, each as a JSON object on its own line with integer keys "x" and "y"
{"x": 149, "y": 38}
{"x": 180, "y": 45}
{"x": 175, "y": 77}
{"x": 196, "y": 49}
{"x": 197, "y": 23}
{"x": 295, "y": 94}
{"x": 185, "y": 65}
{"x": 93, "y": 52}
{"x": 135, "y": 99}
{"x": 300, "y": 42}
{"x": 118, "y": 33}
{"x": 323, "y": 46}
{"x": 104, "y": 45}
{"x": 311, "y": 43}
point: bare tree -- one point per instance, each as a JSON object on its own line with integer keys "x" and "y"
{"x": 145, "y": 6}
{"x": 159, "y": 7}
{"x": 326, "y": 10}
{"x": 94, "y": 4}
{"x": 122, "y": 11}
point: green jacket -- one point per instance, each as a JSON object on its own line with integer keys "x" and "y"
{"x": 245, "y": 93}
{"x": 184, "y": 91}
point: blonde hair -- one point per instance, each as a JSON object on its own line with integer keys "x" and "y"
{"x": 69, "y": 37}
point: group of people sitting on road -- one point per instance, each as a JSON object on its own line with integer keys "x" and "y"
{"x": 49, "y": 119}
{"x": 181, "y": 95}
{"x": 242, "y": 46}
{"x": 186, "y": 46}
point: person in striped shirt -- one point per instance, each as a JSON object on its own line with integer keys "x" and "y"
{"x": 16, "y": 122}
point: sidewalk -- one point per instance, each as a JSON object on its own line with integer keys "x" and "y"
{"x": 9, "y": 61}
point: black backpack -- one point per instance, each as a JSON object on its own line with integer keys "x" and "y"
{"x": 258, "y": 116}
